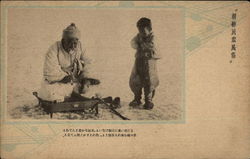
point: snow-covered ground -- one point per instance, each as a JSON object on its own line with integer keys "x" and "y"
{"x": 106, "y": 34}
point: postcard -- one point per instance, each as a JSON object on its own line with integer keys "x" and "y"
{"x": 125, "y": 79}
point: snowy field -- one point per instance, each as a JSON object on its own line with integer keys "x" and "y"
{"x": 106, "y": 34}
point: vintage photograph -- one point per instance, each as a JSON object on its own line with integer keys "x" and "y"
{"x": 125, "y": 80}
{"x": 88, "y": 64}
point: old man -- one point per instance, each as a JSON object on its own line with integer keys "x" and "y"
{"x": 65, "y": 68}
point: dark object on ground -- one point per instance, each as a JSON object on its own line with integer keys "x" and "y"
{"x": 68, "y": 106}
{"x": 116, "y": 102}
{"x": 112, "y": 108}
{"x": 108, "y": 99}
{"x": 79, "y": 103}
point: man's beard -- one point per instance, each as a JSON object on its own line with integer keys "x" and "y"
{"x": 69, "y": 45}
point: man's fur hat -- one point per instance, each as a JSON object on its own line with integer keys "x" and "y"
{"x": 71, "y": 32}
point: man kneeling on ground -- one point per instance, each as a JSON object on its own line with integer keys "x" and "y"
{"x": 65, "y": 69}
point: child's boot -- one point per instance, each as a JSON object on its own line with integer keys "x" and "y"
{"x": 148, "y": 105}
{"x": 137, "y": 99}
{"x": 135, "y": 103}
{"x": 148, "y": 100}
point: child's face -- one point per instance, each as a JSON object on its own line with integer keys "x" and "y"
{"x": 144, "y": 31}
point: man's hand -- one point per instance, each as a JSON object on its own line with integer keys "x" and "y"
{"x": 79, "y": 64}
{"x": 68, "y": 70}
{"x": 66, "y": 79}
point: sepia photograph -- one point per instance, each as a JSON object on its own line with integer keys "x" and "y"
{"x": 125, "y": 80}
{"x": 88, "y": 64}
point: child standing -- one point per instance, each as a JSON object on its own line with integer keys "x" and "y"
{"x": 144, "y": 74}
